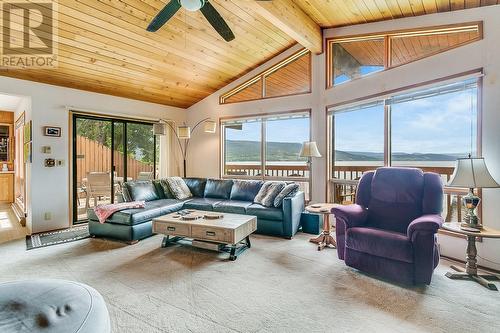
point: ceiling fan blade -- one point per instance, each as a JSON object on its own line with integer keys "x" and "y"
{"x": 214, "y": 18}
{"x": 164, "y": 15}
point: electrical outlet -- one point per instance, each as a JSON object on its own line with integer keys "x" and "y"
{"x": 47, "y": 216}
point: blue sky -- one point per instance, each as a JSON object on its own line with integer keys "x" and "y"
{"x": 439, "y": 124}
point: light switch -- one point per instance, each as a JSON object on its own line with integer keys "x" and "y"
{"x": 47, "y": 149}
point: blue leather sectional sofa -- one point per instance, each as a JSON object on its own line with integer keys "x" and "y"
{"x": 220, "y": 195}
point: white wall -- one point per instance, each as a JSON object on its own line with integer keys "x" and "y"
{"x": 204, "y": 154}
{"x": 49, "y": 187}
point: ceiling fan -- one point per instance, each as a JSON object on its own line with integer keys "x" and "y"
{"x": 206, "y": 8}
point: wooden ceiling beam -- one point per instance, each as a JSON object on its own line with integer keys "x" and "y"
{"x": 289, "y": 18}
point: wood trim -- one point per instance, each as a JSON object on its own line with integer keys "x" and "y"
{"x": 262, "y": 75}
{"x": 436, "y": 29}
{"x": 389, "y": 35}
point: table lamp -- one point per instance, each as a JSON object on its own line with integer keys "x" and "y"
{"x": 472, "y": 173}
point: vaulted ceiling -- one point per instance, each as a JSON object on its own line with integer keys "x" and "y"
{"x": 104, "y": 46}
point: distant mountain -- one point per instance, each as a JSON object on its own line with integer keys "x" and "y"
{"x": 246, "y": 151}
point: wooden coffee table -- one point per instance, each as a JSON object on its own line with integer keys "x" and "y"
{"x": 470, "y": 271}
{"x": 230, "y": 233}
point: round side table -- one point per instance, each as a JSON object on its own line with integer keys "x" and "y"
{"x": 325, "y": 239}
{"x": 470, "y": 271}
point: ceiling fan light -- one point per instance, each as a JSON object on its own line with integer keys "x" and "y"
{"x": 192, "y": 5}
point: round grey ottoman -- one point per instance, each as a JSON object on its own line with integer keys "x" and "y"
{"x": 52, "y": 306}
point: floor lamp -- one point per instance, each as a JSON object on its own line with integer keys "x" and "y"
{"x": 310, "y": 150}
{"x": 184, "y": 132}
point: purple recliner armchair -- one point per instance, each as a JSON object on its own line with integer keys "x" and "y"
{"x": 390, "y": 231}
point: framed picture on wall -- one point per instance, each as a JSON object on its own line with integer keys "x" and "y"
{"x": 52, "y": 131}
{"x": 27, "y": 153}
{"x": 27, "y": 132}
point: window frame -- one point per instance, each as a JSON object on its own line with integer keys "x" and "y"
{"x": 387, "y": 36}
{"x": 385, "y": 96}
{"x": 262, "y": 77}
{"x": 263, "y": 176}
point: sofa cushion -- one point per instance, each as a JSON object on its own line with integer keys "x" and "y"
{"x": 151, "y": 210}
{"x": 166, "y": 190}
{"x": 268, "y": 193}
{"x": 288, "y": 191}
{"x": 201, "y": 203}
{"x": 178, "y": 188}
{"x": 141, "y": 190}
{"x": 245, "y": 190}
{"x": 381, "y": 243}
{"x": 196, "y": 186}
{"x": 232, "y": 206}
{"x": 266, "y": 213}
{"x": 218, "y": 188}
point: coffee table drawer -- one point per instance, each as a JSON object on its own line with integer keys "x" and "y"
{"x": 210, "y": 233}
{"x": 173, "y": 229}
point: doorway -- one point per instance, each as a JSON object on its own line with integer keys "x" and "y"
{"x": 106, "y": 153}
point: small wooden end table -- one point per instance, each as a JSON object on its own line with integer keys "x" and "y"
{"x": 325, "y": 239}
{"x": 470, "y": 271}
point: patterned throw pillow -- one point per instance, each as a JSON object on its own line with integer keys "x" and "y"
{"x": 288, "y": 191}
{"x": 268, "y": 193}
{"x": 178, "y": 188}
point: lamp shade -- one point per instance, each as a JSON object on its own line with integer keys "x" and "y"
{"x": 210, "y": 126}
{"x": 309, "y": 149}
{"x": 472, "y": 173}
{"x": 159, "y": 129}
{"x": 184, "y": 132}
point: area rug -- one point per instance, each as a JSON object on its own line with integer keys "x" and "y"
{"x": 57, "y": 237}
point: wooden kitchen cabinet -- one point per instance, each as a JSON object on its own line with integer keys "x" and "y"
{"x": 6, "y": 187}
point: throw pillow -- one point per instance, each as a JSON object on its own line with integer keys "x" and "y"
{"x": 178, "y": 188}
{"x": 289, "y": 190}
{"x": 268, "y": 193}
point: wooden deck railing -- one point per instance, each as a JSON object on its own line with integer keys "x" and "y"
{"x": 254, "y": 170}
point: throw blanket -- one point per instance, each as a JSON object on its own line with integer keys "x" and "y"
{"x": 105, "y": 211}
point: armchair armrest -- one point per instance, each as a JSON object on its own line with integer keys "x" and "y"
{"x": 292, "y": 211}
{"x": 347, "y": 217}
{"x": 427, "y": 223}
{"x": 351, "y": 215}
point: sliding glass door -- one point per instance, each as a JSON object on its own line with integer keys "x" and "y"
{"x": 106, "y": 153}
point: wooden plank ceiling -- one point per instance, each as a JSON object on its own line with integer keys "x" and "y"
{"x": 336, "y": 13}
{"x": 104, "y": 47}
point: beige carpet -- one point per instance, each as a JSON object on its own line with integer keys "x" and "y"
{"x": 276, "y": 286}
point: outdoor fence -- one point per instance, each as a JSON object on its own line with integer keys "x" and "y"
{"x": 95, "y": 157}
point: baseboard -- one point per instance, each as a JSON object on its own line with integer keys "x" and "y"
{"x": 486, "y": 269}
{"x": 21, "y": 218}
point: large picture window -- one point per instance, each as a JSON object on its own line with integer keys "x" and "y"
{"x": 428, "y": 128}
{"x": 354, "y": 57}
{"x": 266, "y": 147}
